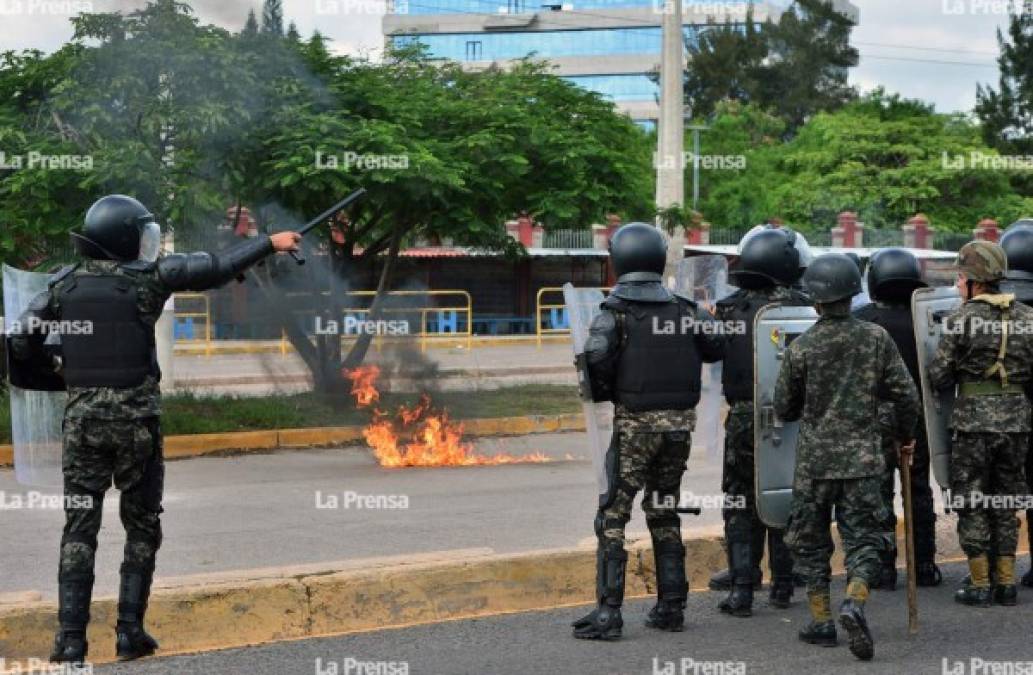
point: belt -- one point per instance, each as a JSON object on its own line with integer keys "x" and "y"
{"x": 990, "y": 388}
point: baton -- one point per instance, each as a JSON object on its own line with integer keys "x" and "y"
{"x": 906, "y": 455}
{"x": 318, "y": 220}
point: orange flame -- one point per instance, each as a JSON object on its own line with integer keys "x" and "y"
{"x": 436, "y": 440}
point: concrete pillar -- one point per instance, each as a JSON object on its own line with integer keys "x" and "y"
{"x": 918, "y": 233}
{"x": 848, "y": 232}
{"x": 987, "y": 230}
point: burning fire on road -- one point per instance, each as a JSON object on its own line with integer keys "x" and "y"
{"x": 433, "y": 439}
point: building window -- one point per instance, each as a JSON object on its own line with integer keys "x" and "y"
{"x": 515, "y": 6}
{"x": 473, "y": 50}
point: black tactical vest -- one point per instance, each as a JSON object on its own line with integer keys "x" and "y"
{"x": 737, "y": 371}
{"x": 897, "y": 321}
{"x": 120, "y": 351}
{"x": 656, "y": 371}
{"x": 1022, "y": 288}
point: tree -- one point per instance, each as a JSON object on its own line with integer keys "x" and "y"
{"x": 1007, "y": 113}
{"x": 272, "y": 17}
{"x": 794, "y": 68}
{"x": 251, "y": 26}
{"x": 292, "y": 33}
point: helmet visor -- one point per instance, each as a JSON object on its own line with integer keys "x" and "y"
{"x": 150, "y": 242}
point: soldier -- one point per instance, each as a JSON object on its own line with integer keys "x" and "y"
{"x": 653, "y": 377}
{"x": 768, "y": 265}
{"x": 1017, "y": 243}
{"x": 832, "y": 379}
{"x": 987, "y": 351}
{"x": 111, "y": 423}
{"x": 893, "y": 275}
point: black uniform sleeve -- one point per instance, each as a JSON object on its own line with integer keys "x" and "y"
{"x": 203, "y": 271}
{"x": 711, "y": 343}
{"x": 26, "y": 337}
{"x": 601, "y": 351}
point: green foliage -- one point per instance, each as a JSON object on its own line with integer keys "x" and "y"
{"x": 884, "y": 157}
{"x": 793, "y": 69}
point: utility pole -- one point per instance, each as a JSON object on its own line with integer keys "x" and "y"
{"x": 670, "y": 166}
{"x": 695, "y": 164}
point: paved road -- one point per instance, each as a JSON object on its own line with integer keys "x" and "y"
{"x": 256, "y": 511}
{"x": 450, "y": 369}
{"x": 539, "y": 642}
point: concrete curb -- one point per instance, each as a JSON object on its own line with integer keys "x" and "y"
{"x": 197, "y": 445}
{"x": 219, "y": 611}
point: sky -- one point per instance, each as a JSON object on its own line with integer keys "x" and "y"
{"x": 933, "y": 50}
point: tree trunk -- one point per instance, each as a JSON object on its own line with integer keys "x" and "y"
{"x": 361, "y": 347}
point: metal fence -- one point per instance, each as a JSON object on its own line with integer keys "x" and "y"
{"x": 568, "y": 239}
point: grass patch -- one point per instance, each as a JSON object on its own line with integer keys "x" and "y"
{"x": 190, "y": 414}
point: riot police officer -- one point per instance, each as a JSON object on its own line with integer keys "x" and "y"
{"x": 1017, "y": 243}
{"x": 645, "y": 352}
{"x": 832, "y": 377}
{"x": 991, "y": 362}
{"x": 769, "y": 263}
{"x": 893, "y": 275}
{"x": 111, "y": 423}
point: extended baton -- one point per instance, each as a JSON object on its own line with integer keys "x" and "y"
{"x": 315, "y": 222}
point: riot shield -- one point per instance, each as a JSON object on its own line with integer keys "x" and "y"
{"x": 774, "y": 329}
{"x": 929, "y": 306}
{"x": 583, "y": 304}
{"x": 36, "y": 416}
{"x": 704, "y": 279}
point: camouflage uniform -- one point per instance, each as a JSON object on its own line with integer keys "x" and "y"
{"x": 832, "y": 380}
{"x": 652, "y": 450}
{"x": 991, "y": 430}
{"x": 114, "y": 434}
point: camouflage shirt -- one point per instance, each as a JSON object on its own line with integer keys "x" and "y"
{"x": 105, "y": 402}
{"x": 832, "y": 380}
{"x": 969, "y": 349}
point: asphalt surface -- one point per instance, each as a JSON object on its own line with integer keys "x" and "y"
{"x": 950, "y": 638}
{"x": 259, "y": 511}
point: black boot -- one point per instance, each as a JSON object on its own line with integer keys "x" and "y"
{"x": 819, "y": 633}
{"x": 74, "y": 595}
{"x": 131, "y": 640}
{"x": 671, "y": 586}
{"x": 605, "y": 622}
{"x": 887, "y": 580}
{"x": 851, "y": 616}
{"x": 928, "y": 574}
{"x": 1027, "y": 578}
{"x": 740, "y": 599}
{"x": 722, "y": 581}
{"x": 781, "y": 563}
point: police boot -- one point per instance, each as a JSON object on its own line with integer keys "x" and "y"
{"x": 928, "y": 574}
{"x": 131, "y": 640}
{"x": 672, "y": 587}
{"x": 821, "y": 630}
{"x": 740, "y": 599}
{"x": 976, "y": 593}
{"x": 1005, "y": 593}
{"x": 70, "y": 645}
{"x": 851, "y": 617}
{"x": 887, "y": 580}
{"x": 781, "y": 562}
{"x": 722, "y": 581}
{"x": 605, "y": 622}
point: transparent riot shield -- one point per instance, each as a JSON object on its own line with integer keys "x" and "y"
{"x": 929, "y": 306}
{"x": 774, "y": 329}
{"x": 583, "y": 304}
{"x": 704, "y": 279}
{"x": 36, "y": 416}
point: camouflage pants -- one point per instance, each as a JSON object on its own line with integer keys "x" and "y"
{"x": 859, "y": 512}
{"x": 737, "y": 482}
{"x": 987, "y": 464}
{"x": 922, "y": 504}
{"x": 95, "y": 452}
{"x": 655, "y": 462}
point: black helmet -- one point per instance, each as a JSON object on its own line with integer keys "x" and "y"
{"x": 113, "y": 228}
{"x": 894, "y": 274}
{"x": 1017, "y": 243}
{"x": 832, "y": 277}
{"x": 638, "y": 252}
{"x": 767, "y": 258}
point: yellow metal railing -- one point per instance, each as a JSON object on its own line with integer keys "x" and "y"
{"x": 206, "y": 315}
{"x": 462, "y": 306}
{"x": 540, "y": 307}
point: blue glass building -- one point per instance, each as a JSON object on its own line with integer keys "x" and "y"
{"x": 608, "y": 46}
